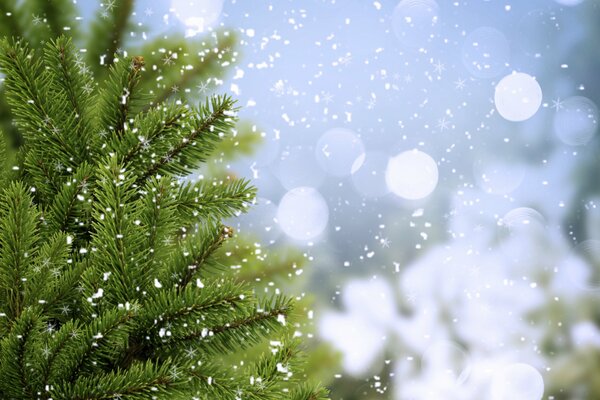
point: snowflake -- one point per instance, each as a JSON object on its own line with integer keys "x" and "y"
{"x": 260, "y": 385}
{"x": 460, "y": 84}
{"x": 202, "y": 87}
{"x": 190, "y": 352}
{"x": 371, "y": 103}
{"x": 384, "y": 242}
{"x": 169, "y": 60}
{"x": 278, "y": 88}
{"x": 148, "y": 12}
{"x": 174, "y": 374}
{"x": 46, "y": 351}
{"x": 439, "y": 68}
{"x": 557, "y": 104}
{"x": 110, "y": 5}
{"x": 50, "y": 328}
{"x": 443, "y": 124}
{"x": 79, "y": 63}
{"x": 145, "y": 143}
{"x": 36, "y": 20}
{"x": 87, "y": 88}
{"x": 327, "y": 97}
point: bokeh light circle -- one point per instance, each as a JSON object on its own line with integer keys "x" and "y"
{"x": 344, "y": 331}
{"x": 412, "y": 175}
{"x": 495, "y": 176}
{"x": 486, "y": 52}
{"x": 369, "y": 179}
{"x": 445, "y": 361}
{"x": 197, "y": 15}
{"x": 371, "y": 298}
{"x": 576, "y": 120}
{"x": 414, "y": 22}
{"x": 588, "y": 253}
{"x": 297, "y": 167}
{"x": 522, "y": 218}
{"x": 261, "y": 219}
{"x": 518, "y": 97}
{"x": 517, "y": 381}
{"x": 340, "y": 152}
{"x": 569, "y": 3}
{"x": 538, "y": 32}
{"x": 303, "y": 213}
{"x": 521, "y": 233}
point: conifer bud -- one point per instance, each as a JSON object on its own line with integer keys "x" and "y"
{"x": 138, "y": 62}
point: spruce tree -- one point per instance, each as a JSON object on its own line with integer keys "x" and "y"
{"x": 109, "y": 283}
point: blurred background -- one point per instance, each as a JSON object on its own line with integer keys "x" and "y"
{"x": 433, "y": 167}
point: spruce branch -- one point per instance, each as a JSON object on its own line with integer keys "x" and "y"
{"x": 210, "y": 122}
{"x": 91, "y": 347}
{"x": 28, "y": 95}
{"x": 5, "y": 158}
{"x": 49, "y": 262}
{"x": 119, "y": 240}
{"x": 240, "y": 333}
{"x": 213, "y": 382}
{"x": 171, "y": 311}
{"x": 215, "y": 297}
{"x": 207, "y": 251}
{"x": 225, "y": 199}
{"x": 195, "y": 254}
{"x": 17, "y": 354}
{"x": 272, "y": 371}
{"x": 159, "y": 217}
{"x": 69, "y": 204}
{"x": 140, "y": 381}
{"x": 61, "y": 296}
{"x": 185, "y": 63}
{"x": 71, "y": 84}
{"x": 18, "y": 236}
{"x": 151, "y": 128}
{"x": 119, "y": 96}
{"x": 308, "y": 391}
{"x": 53, "y": 346}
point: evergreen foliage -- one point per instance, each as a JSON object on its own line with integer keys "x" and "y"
{"x": 109, "y": 283}
{"x": 179, "y": 62}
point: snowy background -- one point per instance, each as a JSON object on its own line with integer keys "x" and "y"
{"x": 436, "y": 163}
